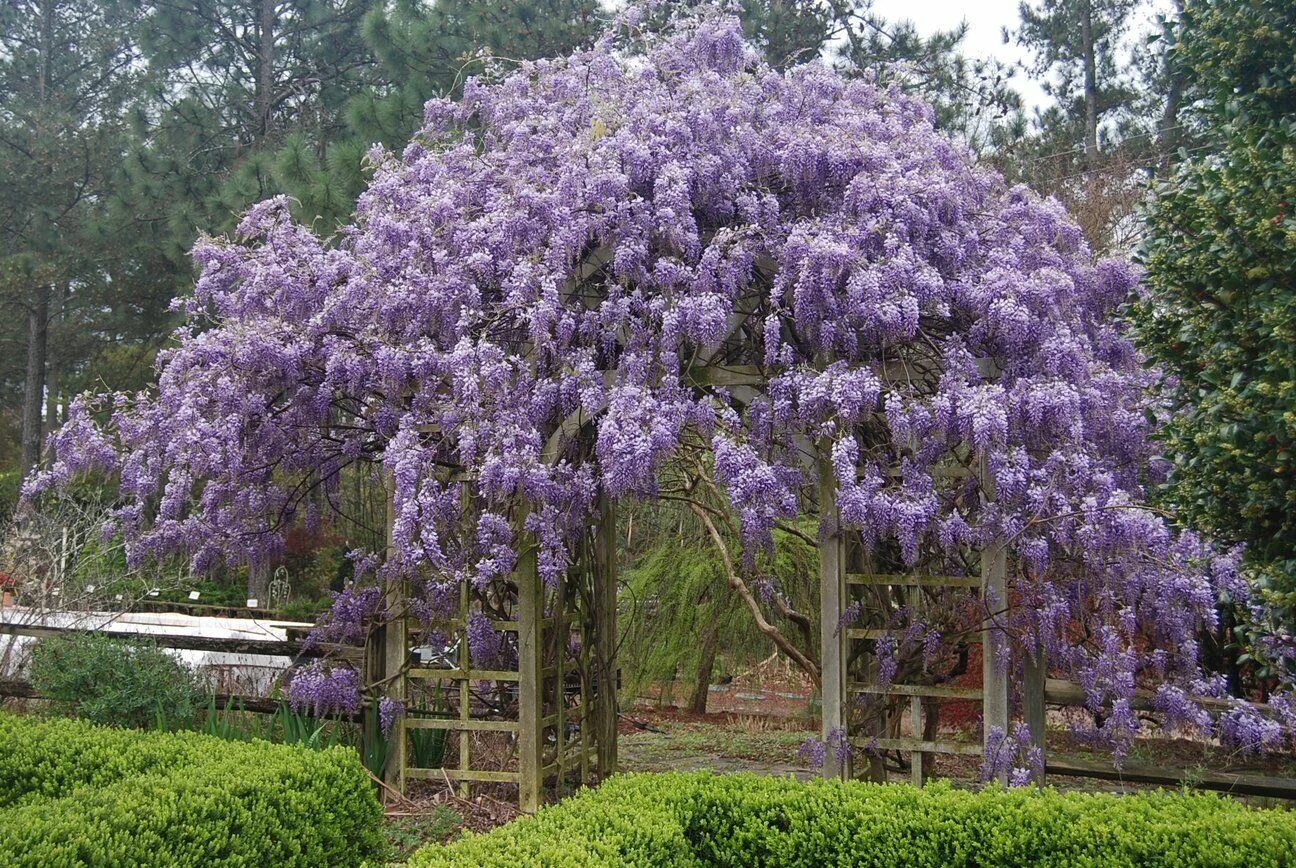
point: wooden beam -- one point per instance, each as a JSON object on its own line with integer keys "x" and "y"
{"x": 907, "y": 581}
{"x": 832, "y": 638}
{"x": 933, "y": 691}
{"x": 462, "y": 775}
{"x": 879, "y": 632}
{"x": 223, "y": 645}
{"x": 235, "y": 702}
{"x": 1238, "y": 784}
{"x": 472, "y": 724}
{"x": 463, "y": 674}
{"x": 1060, "y": 692}
{"x": 919, "y": 745}
{"x": 530, "y": 650}
{"x": 605, "y": 636}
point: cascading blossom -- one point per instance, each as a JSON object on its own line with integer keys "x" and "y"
{"x": 533, "y": 292}
{"x": 321, "y": 690}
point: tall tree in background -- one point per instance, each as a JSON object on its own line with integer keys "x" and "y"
{"x": 1076, "y": 42}
{"x": 1220, "y": 315}
{"x": 66, "y": 70}
{"x": 247, "y": 100}
{"x": 790, "y": 31}
{"x": 971, "y": 96}
{"x": 430, "y": 49}
{"x": 1113, "y": 122}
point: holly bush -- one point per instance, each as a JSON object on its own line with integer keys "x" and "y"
{"x": 1219, "y": 315}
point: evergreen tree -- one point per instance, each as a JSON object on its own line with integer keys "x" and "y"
{"x": 1076, "y": 42}
{"x": 252, "y": 113}
{"x": 788, "y": 31}
{"x": 66, "y": 70}
{"x": 971, "y": 96}
{"x": 1220, "y": 315}
{"x": 428, "y": 50}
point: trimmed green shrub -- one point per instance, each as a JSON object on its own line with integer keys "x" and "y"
{"x": 745, "y": 820}
{"x": 77, "y": 794}
{"x": 113, "y": 681}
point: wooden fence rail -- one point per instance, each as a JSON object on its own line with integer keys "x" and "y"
{"x": 18, "y": 689}
{"x": 294, "y": 649}
{"x": 1041, "y": 690}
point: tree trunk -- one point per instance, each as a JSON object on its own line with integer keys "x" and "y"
{"x": 258, "y": 585}
{"x": 265, "y": 69}
{"x": 930, "y": 731}
{"x": 1090, "y": 83}
{"x": 34, "y": 388}
{"x": 706, "y": 664}
{"x": 53, "y": 406}
{"x": 1168, "y": 132}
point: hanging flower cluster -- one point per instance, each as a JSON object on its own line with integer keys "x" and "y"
{"x": 533, "y": 293}
{"x": 321, "y": 690}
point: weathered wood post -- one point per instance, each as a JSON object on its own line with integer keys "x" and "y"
{"x": 917, "y": 759}
{"x": 530, "y": 656}
{"x": 395, "y": 652}
{"x": 994, "y": 596}
{"x": 832, "y": 638}
{"x": 1035, "y": 672}
{"x": 605, "y": 636}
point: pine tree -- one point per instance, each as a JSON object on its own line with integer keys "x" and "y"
{"x": 66, "y": 70}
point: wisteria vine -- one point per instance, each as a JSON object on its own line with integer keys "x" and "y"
{"x": 528, "y": 300}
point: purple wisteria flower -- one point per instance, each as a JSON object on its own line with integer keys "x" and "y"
{"x": 530, "y": 294}
{"x": 322, "y": 691}
{"x": 1014, "y": 756}
{"x": 388, "y": 711}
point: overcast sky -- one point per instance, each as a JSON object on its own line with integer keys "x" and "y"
{"x": 986, "y": 20}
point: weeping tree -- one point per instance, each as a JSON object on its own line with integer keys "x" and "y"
{"x": 681, "y": 619}
{"x": 537, "y": 309}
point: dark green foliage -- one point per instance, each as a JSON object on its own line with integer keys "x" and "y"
{"x": 73, "y": 793}
{"x": 1240, "y": 59}
{"x": 427, "y": 50}
{"x": 1219, "y": 318}
{"x": 427, "y": 747}
{"x": 745, "y": 820}
{"x": 407, "y": 834}
{"x": 115, "y": 682}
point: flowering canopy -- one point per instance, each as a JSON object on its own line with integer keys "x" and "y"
{"x": 533, "y": 292}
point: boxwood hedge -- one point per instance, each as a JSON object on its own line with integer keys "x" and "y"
{"x": 72, "y": 793}
{"x": 745, "y": 820}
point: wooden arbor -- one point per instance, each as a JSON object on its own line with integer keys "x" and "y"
{"x": 542, "y": 715}
{"x": 857, "y": 707}
{"x": 550, "y": 718}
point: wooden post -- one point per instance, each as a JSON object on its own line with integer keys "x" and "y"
{"x": 465, "y": 688}
{"x": 916, "y": 757}
{"x": 994, "y": 595}
{"x": 605, "y": 636}
{"x": 530, "y": 687}
{"x": 832, "y": 594}
{"x": 395, "y": 653}
{"x": 1035, "y": 674}
{"x": 561, "y": 636}
{"x": 916, "y": 732}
